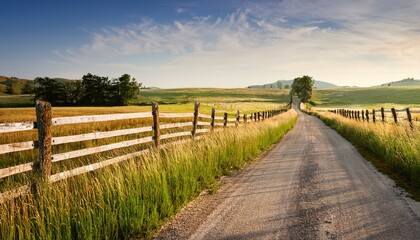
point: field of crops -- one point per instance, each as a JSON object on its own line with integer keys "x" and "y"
{"x": 219, "y": 97}
{"x": 368, "y": 98}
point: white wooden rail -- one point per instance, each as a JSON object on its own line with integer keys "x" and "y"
{"x": 99, "y": 135}
{"x": 103, "y": 148}
{"x": 17, "y": 147}
{"x": 5, "y": 172}
{"x": 17, "y": 126}
{"x": 198, "y": 127}
{"x": 99, "y": 118}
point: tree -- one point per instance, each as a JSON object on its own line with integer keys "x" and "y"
{"x": 73, "y": 92}
{"x": 10, "y": 89}
{"x": 28, "y": 88}
{"x": 49, "y": 90}
{"x": 124, "y": 89}
{"x": 96, "y": 90}
{"x": 302, "y": 87}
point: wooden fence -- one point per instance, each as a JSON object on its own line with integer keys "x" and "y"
{"x": 382, "y": 115}
{"x": 199, "y": 124}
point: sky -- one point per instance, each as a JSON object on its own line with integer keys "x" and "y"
{"x": 212, "y": 43}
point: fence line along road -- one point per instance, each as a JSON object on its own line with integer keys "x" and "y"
{"x": 373, "y": 115}
{"x": 199, "y": 124}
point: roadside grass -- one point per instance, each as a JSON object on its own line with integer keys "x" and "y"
{"x": 394, "y": 150}
{"x": 132, "y": 199}
{"x": 372, "y": 97}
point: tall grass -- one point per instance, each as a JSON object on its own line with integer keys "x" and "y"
{"x": 396, "y": 146}
{"x": 132, "y": 199}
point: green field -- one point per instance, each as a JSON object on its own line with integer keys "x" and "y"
{"x": 209, "y": 95}
{"x": 372, "y": 97}
{"x": 229, "y": 99}
{"x": 217, "y": 97}
{"x": 12, "y": 101}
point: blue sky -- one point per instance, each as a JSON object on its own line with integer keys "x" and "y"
{"x": 212, "y": 43}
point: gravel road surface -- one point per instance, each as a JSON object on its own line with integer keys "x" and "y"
{"x": 312, "y": 185}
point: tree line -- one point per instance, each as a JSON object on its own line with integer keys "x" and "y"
{"x": 92, "y": 90}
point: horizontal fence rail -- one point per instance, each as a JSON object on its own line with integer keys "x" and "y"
{"x": 175, "y": 132}
{"x": 18, "y": 126}
{"x": 99, "y": 118}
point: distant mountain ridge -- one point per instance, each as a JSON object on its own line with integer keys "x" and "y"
{"x": 404, "y": 82}
{"x": 283, "y": 83}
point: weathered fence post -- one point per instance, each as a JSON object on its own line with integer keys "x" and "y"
{"x": 363, "y": 115}
{"x": 383, "y": 114}
{"x": 373, "y": 115}
{"x": 259, "y": 116}
{"x": 244, "y": 118}
{"x": 213, "y": 114}
{"x": 44, "y": 123}
{"x": 195, "y": 121}
{"x": 238, "y": 116}
{"x": 367, "y": 115}
{"x": 156, "y": 128}
{"x": 409, "y": 118}
{"x": 226, "y": 119}
{"x": 394, "y": 114}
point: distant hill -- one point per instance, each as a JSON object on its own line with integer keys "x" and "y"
{"x": 404, "y": 82}
{"x": 16, "y": 85}
{"x": 283, "y": 83}
{"x": 63, "y": 80}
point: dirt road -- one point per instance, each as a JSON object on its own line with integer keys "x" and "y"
{"x": 312, "y": 185}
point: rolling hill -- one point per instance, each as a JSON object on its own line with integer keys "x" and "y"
{"x": 317, "y": 84}
{"x": 404, "y": 82}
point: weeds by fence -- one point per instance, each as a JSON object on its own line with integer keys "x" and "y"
{"x": 196, "y": 125}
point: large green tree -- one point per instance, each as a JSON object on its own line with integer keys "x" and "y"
{"x": 302, "y": 87}
{"x": 124, "y": 89}
{"x": 96, "y": 90}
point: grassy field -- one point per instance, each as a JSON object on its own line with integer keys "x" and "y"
{"x": 211, "y": 95}
{"x": 14, "y": 101}
{"x": 219, "y": 97}
{"x": 15, "y": 108}
{"x": 134, "y": 198}
{"x": 374, "y": 97}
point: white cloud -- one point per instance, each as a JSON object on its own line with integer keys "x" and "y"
{"x": 345, "y": 42}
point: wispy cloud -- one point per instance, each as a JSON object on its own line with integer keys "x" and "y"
{"x": 181, "y": 10}
{"x": 337, "y": 42}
